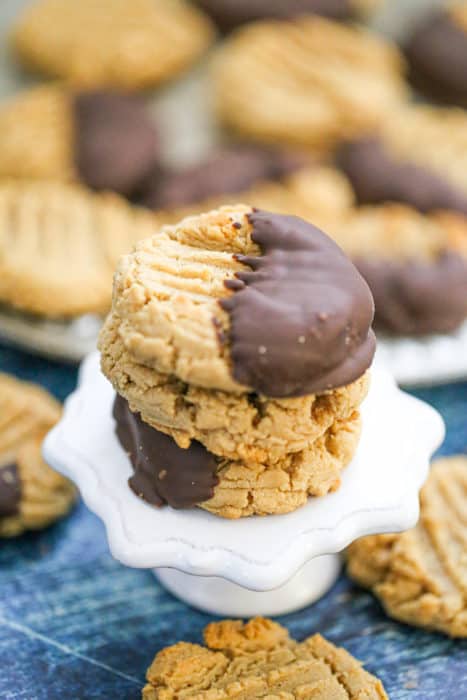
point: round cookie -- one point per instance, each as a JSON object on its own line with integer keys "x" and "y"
{"x": 237, "y": 419}
{"x": 258, "y": 659}
{"x": 32, "y": 495}
{"x": 419, "y": 575}
{"x": 114, "y": 43}
{"x": 205, "y": 301}
{"x": 308, "y": 82}
{"x": 59, "y": 245}
{"x": 437, "y": 55}
{"x": 227, "y": 171}
{"x": 229, "y": 14}
{"x": 104, "y": 139}
{"x": 415, "y": 266}
{"x": 418, "y": 157}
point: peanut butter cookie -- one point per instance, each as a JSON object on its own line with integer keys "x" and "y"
{"x": 103, "y": 139}
{"x": 418, "y": 157}
{"x": 111, "y": 43}
{"x": 415, "y": 265}
{"x": 258, "y": 660}
{"x": 32, "y": 495}
{"x": 308, "y": 82}
{"x": 420, "y": 575}
{"x": 246, "y": 409}
{"x": 59, "y": 244}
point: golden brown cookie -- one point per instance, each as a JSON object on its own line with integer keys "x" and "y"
{"x": 59, "y": 245}
{"x": 237, "y": 410}
{"x": 420, "y": 575}
{"x": 258, "y": 660}
{"x": 418, "y": 157}
{"x": 104, "y": 139}
{"x": 308, "y": 82}
{"x": 268, "y": 456}
{"x": 191, "y": 305}
{"x": 415, "y": 265}
{"x": 111, "y": 43}
{"x": 32, "y": 495}
{"x": 318, "y": 194}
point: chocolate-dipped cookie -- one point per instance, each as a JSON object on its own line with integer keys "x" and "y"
{"x": 104, "y": 139}
{"x": 415, "y": 266}
{"x": 229, "y": 14}
{"x": 245, "y": 337}
{"x": 306, "y": 82}
{"x": 32, "y": 495}
{"x": 437, "y": 55}
{"x": 225, "y": 172}
{"x": 418, "y": 157}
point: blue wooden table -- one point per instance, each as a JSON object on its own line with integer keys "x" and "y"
{"x": 76, "y": 624}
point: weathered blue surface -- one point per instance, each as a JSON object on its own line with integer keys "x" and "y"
{"x": 76, "y": 624}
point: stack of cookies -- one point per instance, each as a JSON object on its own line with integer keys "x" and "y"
{"x": 238, "y": 343}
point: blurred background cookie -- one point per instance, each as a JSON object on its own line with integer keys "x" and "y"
{"x": 419, "y": 575}
{"x": 59, "y": 245}
{"x": 308, "y": 82}
{"x": 32, "y": 495}
{"x": 228, "y": 14}
{"x": 418, "y": 156}
{"x": 104, "y": 139}
{"x": 112, "y": 43}
{"x": 437, "y": 54}
{"x": 415, "y": 265}
{"x": 283, "y": 181}
{"x": 258, "y": 659}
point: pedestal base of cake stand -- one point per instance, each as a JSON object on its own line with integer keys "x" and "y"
{"x": 218, "y": 596}
{"x": 257, "y": 565}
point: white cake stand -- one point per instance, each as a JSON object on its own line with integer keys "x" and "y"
{"x": 259, "y": 565}
{"x": 431, "y": 359}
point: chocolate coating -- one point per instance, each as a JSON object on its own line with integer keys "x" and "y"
{"x": 377, "y": 177}
{"x": 418, "y": 298}
{"x": 437, "y": 56}
{"x": 228, "y": 171}
{"x": 228, "y": 14}
{"x": 164, "y": 472}
{"x": 116, "y": 142}
{"x": 300, "y": 320}
{"x": 10, "y": 490}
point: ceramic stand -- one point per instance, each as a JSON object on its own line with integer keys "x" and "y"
{"x": 258, "y": 565}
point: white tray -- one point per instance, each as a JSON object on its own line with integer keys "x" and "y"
{"x": 379, "y": 493}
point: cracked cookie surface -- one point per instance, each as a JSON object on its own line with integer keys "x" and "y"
{"x": 258, "y": 659}
{"x": 420, "y": 575}
{"x": 306, "y": 81}
{"x": 32, "y": 495}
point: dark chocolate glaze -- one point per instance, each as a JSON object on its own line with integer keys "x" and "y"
{"x": 116, "y": 143}
{"x": 227, "y": 171}
{"x": 437, "y": 56}
{"x": 164, "y": 472}
{"x": 228, "y": 14}
{"x": 418, "y": 298}
{"x": 300, "y": 320}
{"x": 377, "y": 177}
{"x": 10, "y": 490}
